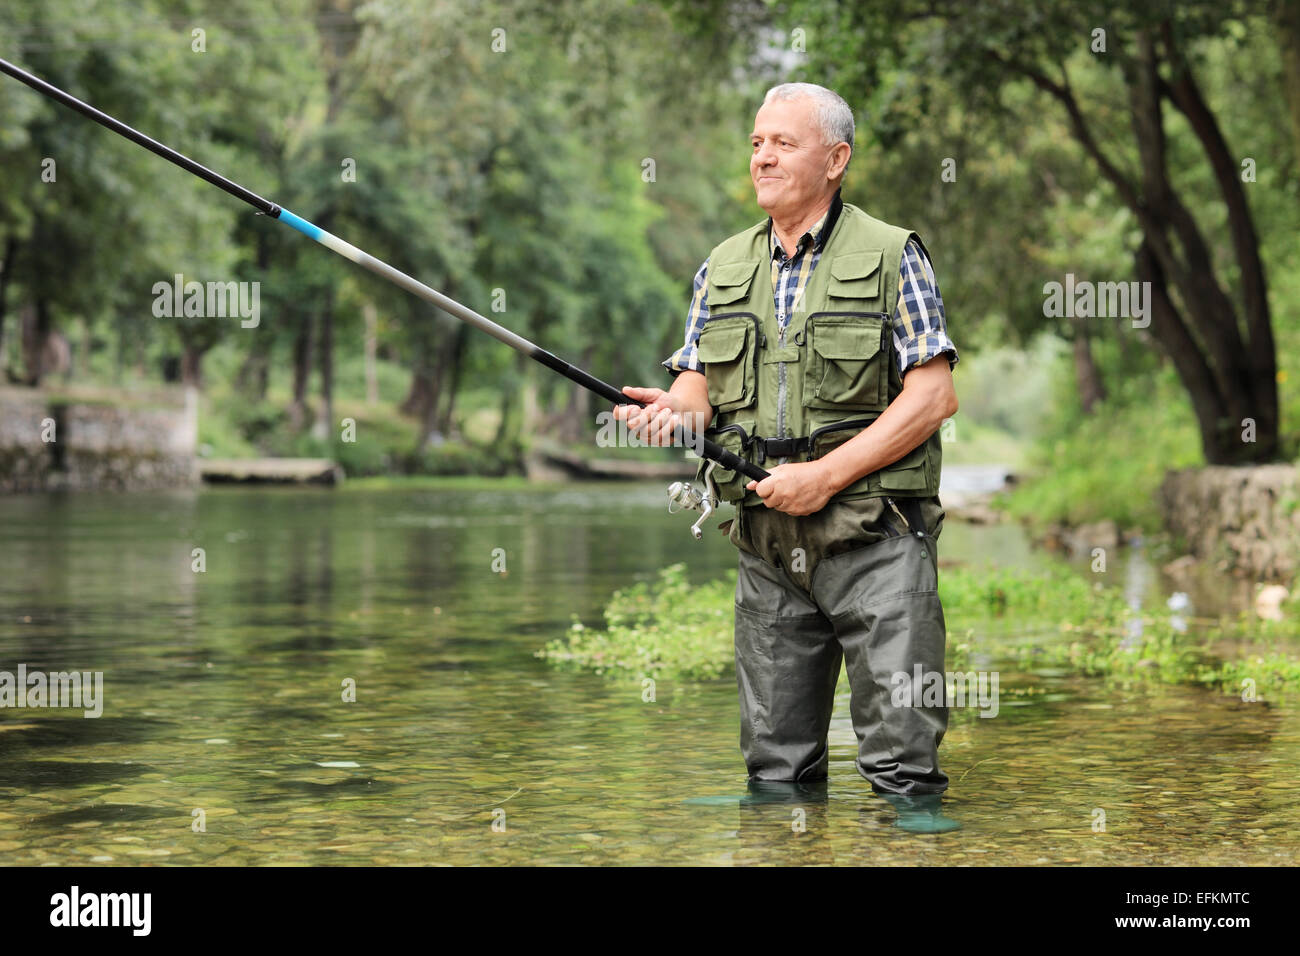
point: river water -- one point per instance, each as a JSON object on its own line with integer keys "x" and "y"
{"x": 225, "y": 737}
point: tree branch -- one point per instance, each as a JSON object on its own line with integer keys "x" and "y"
{"x": 1204, "y": 301}
{"x": 1186, "y": 96}
{"x": 1063, "y": 93}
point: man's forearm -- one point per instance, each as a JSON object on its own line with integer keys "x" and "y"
{"x": 691, "y": 390}
{"x": 910, "y": 419}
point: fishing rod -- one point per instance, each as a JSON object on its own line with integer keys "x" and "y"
{"x": 681, "y": 494}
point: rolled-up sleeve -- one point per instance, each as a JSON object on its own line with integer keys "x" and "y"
{"x": 686, "y": 357}
{"x": 920, "y": 327}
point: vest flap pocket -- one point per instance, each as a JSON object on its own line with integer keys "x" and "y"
{"x": 842, "y": 341}
{"x": 856, "y": 274}
{"x": 720, "y": 344}
{"x": 734, "y": 438}
{"x": 847, "y": 368}
{"x": 906, "y": 474}
{"x": 726, "y": 350}
{"x": 730, "y": 282}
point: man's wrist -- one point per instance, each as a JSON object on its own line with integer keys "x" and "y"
{"x": 847, "y": 463}
{"x": 834, "y": 475}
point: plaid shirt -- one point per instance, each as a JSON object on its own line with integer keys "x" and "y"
{"x": 919, "y": 324}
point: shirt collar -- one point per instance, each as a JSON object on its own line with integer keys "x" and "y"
{"x": 817, "y": 235}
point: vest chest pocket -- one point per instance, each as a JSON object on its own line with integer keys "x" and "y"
{"x": 856, "y": 275}
{"x": 846, "y": 365}
{"x": 729, "y": 282}
{"x": 726, "y": 348}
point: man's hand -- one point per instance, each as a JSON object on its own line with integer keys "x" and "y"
{"x": 685, "y": 404}
{"x": 657, "y": 421}
{"x": 798, "y": 488}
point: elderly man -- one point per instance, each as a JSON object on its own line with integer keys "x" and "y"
{"x": 835, "y": 378}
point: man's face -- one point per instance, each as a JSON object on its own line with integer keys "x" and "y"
{"x": 789, "y": 162}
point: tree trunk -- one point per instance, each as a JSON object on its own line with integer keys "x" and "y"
{"x": 1255, "y": 367}
{"x": 35, "y": 337}
{"x": 573, "y": 421}
{"x": 1167, "y": 326}
{"x": 533, "y": 417}
{"x": 6, "y": 272}
{"x": 254, "y": 374}
{"x": 119, "y": 353}
{"x": 87, "y": 346}
{"x": 301, "y": 372}
{"x": 429, "y": 375}
{"x": 1241, "y": 360}
{"x": 192, "y": 364}
{"x": 507, "y": 430}
{"x": 326, "y": 422}
{"x": 372, "y": 336}
{"x": 1092, "y": 390}
{"x": 421, "y": 395}
{"x": 255, "y": 371}
{"x": 430, "y": 432}
{"x": 446, "y": 423}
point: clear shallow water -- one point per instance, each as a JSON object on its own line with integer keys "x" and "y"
{"x": 223, "y": 693}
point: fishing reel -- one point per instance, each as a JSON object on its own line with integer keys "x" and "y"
{"x": 682, "y": 495}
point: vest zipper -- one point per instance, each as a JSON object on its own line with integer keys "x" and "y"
{"x": 780, "y": 388}
{"x": 837, "y": 426}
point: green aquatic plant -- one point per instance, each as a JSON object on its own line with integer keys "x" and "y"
{"x": 669, "y": 626}
{"x": 1050, "y": 616}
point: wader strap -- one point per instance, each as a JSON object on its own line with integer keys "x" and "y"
{"x": 912, "y": 509}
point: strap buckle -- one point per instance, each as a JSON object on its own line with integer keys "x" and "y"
{"x": 781, "y": 447}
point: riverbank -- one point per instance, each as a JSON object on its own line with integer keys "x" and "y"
{"x": 1242, "y": 521}
{"x": 86, "y": 439}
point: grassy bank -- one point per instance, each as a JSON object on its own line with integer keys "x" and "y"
{"x": 380, "y": 441}
{"x": 1108, "y": 464}
{"x": 1047, "y": 618}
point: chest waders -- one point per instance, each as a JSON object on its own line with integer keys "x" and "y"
{"x": 857, "y": 582}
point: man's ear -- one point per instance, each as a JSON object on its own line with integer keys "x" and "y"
{"x": 839, "y": 160}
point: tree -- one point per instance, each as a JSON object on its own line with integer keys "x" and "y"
{"x": 1209, "y": 303}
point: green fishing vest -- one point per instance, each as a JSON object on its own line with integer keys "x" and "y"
{"x": 801, "y": 393}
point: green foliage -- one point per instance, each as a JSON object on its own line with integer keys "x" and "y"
{"x": 456, "y": 458}
{"x": 1003, "y": 593}
{"x": 1109, "y": 464}
{"x": 523, "y": 170}
{"x": 1051, "y": 616}
{"x": 477, "y": 169}
{"x": 257, "y": 422}
{"x": 1003, "y": 392}
{"x": 1051, "y": 178}
{"x": 666, "y": 627}
{"x": 439, "y": 482}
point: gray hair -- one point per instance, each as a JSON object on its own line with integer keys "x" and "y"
{"x": 832, "y": 114}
